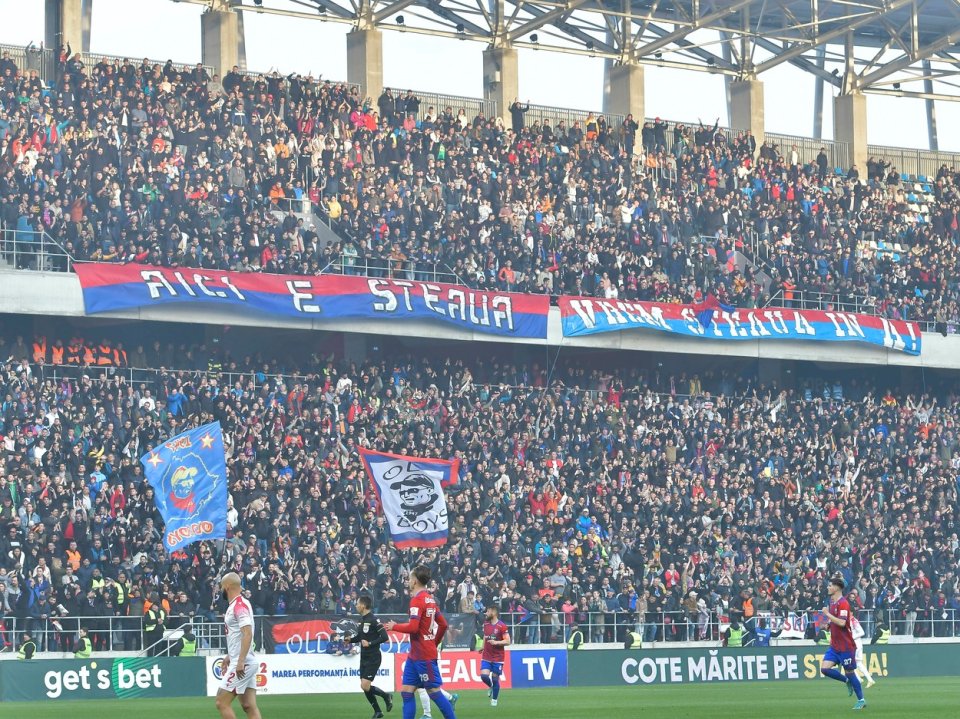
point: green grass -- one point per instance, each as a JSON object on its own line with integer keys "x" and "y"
{"x": 908, "y": 698}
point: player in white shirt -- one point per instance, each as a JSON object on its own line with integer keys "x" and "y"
{"x": 861, "y": 664}
{"x": 239, "y": 668}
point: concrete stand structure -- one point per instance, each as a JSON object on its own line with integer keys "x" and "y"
{"x": 624, "y": 91}
{"x": 746, "y": 107}
{"x": 220, "y": 37}
{"x": 850, "y": 126}
{"x": 365, "y": 61}
{"x": 67, "y": 22}
{"x": 501, "y": 79}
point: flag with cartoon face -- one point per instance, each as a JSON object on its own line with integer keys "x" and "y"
{"x": 411, "y": 496}
{"x": 188, "y": 474}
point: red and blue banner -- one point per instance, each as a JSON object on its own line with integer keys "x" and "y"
{"x": 311, "y": 634}
{"x": 587, "y": 316}
{"x": 109, "y": 287}
{"x": 307, "y": 634}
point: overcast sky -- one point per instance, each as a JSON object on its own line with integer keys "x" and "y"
{"x": 161, "y": 29}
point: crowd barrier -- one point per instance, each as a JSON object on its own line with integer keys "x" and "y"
{"x": 527, "y": 668}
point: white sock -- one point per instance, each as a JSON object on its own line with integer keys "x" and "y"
{"x": 447, "y": 694}
{"x": 425, "y": 702}
{"x": 862, "y": 666}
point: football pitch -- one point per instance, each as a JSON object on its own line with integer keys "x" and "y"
{"x": 913, "y": 698}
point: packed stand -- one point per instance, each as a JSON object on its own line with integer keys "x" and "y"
{"x": 612, "y": 500}
{"x": 140, "y": 162}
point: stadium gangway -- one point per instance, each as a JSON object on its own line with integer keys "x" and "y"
{"x": 32, "y": 250}
{"x": 306, "y": 208}
{"x": 759, "y": 251}
{"x": 163, "y": 646}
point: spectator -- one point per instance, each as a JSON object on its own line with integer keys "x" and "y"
{"x": 517, "y": 112}
{"x": 616, "y": 481}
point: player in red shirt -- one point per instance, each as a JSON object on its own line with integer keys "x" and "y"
{"x": 843, "y": 646}
{"x": 426, "y": 629}
{"x": 496, "y": 637}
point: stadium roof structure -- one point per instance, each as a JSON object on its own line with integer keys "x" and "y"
{"x": 905, "y": 48}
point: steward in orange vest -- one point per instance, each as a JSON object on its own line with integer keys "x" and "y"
{"x": 74, "y": 351}
{"x": 56, "y": 353}
{"x": 40, "y": 349}
{"x": 104, "y": 354}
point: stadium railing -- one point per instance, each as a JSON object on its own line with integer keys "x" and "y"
{"x": 43, "y": 60}
{"x": 838, "y": 153}
{"x": 110, "y": 633}
{"x": 302, "y": 205}
{"x": 31, "y": 57}
{"x": 842, "y": 302}
{"x": 91, "y": 58}
{"x": 320, "y": 80}
{"x": 441, "y": 102}
{"x": 825, "y": 301}
{"x": 163, "y": 647}
{"x": 32, "y": 250}
{"x": 914, "y": 163}
{"x": 539, "y": 113}
{"x": 409, "y": 269}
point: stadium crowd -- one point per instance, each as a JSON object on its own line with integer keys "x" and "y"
{"x": 609, "y": 499}
{"x": 128, "y": 161}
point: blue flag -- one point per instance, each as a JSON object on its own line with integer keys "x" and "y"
{"x": 188, "y": 474}
{"x": 710, "y": 305}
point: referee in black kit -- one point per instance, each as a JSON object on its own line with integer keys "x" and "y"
{"x": 370, "y": 635}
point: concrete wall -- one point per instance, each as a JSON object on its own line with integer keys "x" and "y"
{"x": 624, "y": 92}
{"x": 501, "y": 80}
{"x": 67, "y": 22}
{"x": 746, "y": 108}
{"x": 58, "y": 294}
{"x": 365, "y": 61}
{"x": 220, "y": 39}
{"x": 850, "y": 126}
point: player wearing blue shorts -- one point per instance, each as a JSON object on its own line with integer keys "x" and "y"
{"x": 843, "y": 647}
{"x": 426, "y": 628}
{"x": 495, "y": 638}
